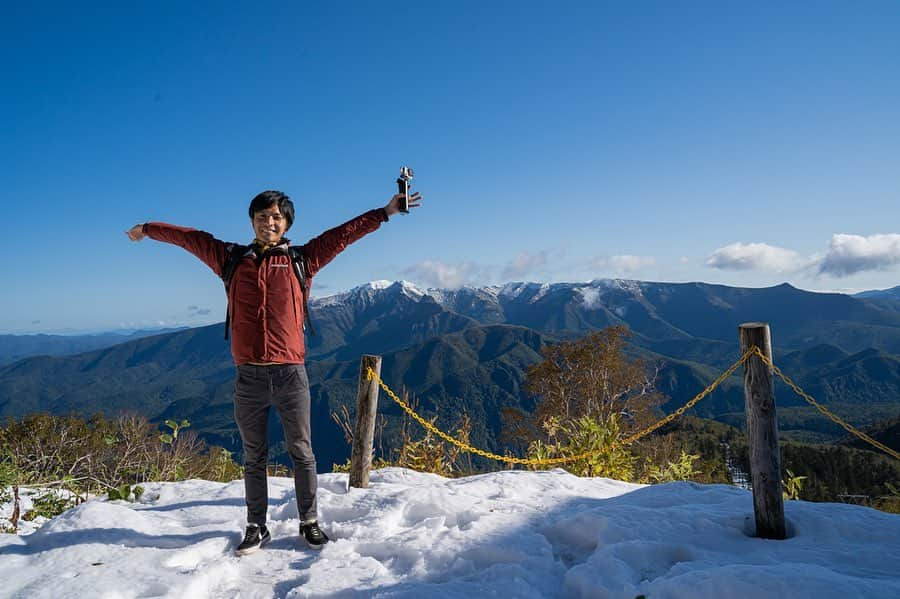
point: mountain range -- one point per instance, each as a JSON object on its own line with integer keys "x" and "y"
{"x": 17, "y": 347}
{"x": 887, "y": 298}
{"x": 467, "y": 350}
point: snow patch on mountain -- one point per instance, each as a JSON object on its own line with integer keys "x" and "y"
{"x": 631, "y": 286}
{"x": 590, "y": 297}
{"x": 533, "y": 292}
{"x": 514, "y": 290}
{"x": 411, "y": 289}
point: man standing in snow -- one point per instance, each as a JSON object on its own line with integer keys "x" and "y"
{"x": 266, "y": 312}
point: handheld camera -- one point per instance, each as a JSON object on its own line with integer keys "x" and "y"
{"x": 406, "y": 175}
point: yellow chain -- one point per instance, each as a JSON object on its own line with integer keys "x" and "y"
{"x": 834, "y": 418}
{"x": 632, "y": 438}
{"x": 562, "y": 460}
{"x": 690, "y": 404}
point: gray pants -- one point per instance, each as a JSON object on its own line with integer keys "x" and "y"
{"x": 256, "y": 389}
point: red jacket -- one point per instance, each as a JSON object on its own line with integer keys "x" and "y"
{"x": 265, "y": 299}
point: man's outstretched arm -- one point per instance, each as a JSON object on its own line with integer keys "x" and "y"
{"x": 200, "y": 243}
{"x": 321, "y": 250}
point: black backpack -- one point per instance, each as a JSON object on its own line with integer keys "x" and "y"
{"x": 236, "y": 254}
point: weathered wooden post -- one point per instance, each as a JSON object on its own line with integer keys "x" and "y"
{"x": 364, "y": 431}
{"x": 762, "y": 432}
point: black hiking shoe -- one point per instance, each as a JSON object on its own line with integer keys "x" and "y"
{"x": 313, "y": 535}
{"x": 254, "y": 537}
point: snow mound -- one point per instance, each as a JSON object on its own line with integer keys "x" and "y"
{"x": 412, "y": 535}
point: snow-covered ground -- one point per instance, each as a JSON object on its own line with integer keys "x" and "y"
{"x": 412, "y": 535}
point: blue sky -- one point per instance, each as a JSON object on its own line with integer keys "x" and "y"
{"x": 738, "y": 143}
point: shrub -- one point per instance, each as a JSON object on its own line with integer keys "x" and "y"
{"x": 589, "y": 396}
{"x": 49, "y": 504}
{"x": 683, "y": 469}
{"x": 792, "y": 485}
{"x": 427, "y": 453}
{"x": 100, "y": 455}
{"x": 126, "y": 493}
{"x": 891, "y": 502}
{"x": 585, "y": 435}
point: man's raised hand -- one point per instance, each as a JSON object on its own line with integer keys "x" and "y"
{"x": 393, "y": 206}
{"x": 136, "y": 233}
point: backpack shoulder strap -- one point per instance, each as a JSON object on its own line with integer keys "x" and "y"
{"x": 235, "y": 251}
{"x": 301, "y": 270}
{"x": 296, "y": 253}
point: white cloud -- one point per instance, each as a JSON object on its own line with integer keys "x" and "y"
{"x": 850, "y": 254}
{"x": 452, "y": 275}
{"x": 523, "y": 265}
{"x": 628, "y": 263}
{"x": 756, "y": 256}
{"x": 624, "y": 263}
{"x": 442, "y": 274}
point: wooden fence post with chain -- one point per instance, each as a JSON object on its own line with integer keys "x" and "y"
{"x": 364, "y": 431}
{"x": 762, "y": 432}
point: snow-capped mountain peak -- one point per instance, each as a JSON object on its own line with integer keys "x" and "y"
{"x": 369, "y": 292}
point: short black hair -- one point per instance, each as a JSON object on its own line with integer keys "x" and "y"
{"x": 266, "y": 199}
